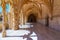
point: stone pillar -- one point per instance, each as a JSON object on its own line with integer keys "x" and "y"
{"x": 10, "y": 16}
{"x": 12, "y": 20}
{"x": 4, "y": 20}
{"x": 16, "y": 21}
{"x": 9, "y": 20}
{"x": 21, "y": 18}
{"x": 16, "y": 15}
{"x": 24, "y": 19}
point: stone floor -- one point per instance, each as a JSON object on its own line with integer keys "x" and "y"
{"x": 35, "y": 31}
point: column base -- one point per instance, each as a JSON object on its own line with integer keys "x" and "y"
{"x": 16, "y": 28}
{"x": 4, "y": 34}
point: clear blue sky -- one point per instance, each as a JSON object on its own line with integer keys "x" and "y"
{"x": 0, "y": 9}
{"x": 7, "y": 8}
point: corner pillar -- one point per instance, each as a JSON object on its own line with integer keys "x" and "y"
{"x": 4, "y": 20}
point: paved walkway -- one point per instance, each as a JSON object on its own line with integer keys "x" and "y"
{"x": 36, "y": 32}
{"x": 44, "y": 33}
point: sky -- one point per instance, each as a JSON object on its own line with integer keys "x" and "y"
{"x": 0, "y": 9}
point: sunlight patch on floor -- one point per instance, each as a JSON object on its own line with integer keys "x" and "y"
{"x": 17, "y": 33}
{"x": 27, "y": 25}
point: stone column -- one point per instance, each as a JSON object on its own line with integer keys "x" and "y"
{"x": 4, "y": 20}
{"x": 16, "y": 21}
{"x": 12, "y": 20}
{"x": 9, "y": 20}
{"x": 21, "y": 18}
{"x": 24, "y": 19}
{"x": 16, "y": 15}
{"x": 10, "y": 16}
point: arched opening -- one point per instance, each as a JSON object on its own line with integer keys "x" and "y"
{"x": 0, "y": 13}
{"x": 7, "y": 7}
{"x": 32, "y": 18}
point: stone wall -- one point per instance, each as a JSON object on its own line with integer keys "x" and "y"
{"x": 55, "y": 23}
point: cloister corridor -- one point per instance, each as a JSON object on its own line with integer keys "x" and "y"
{"x": 29, "y": 19}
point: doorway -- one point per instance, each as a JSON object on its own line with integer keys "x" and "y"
{"x": 47, "y": 21}
{"x": 32, "y": 18}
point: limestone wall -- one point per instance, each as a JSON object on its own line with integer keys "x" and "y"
{"x": 55, "y": 23}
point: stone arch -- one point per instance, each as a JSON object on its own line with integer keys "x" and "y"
{"x": 45, "y": 2}
{"x": 37, "y": 5}
{"x": 31, "y": 4}
{"x": 28, "y": 7}
{"x": 35, "y": 12}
